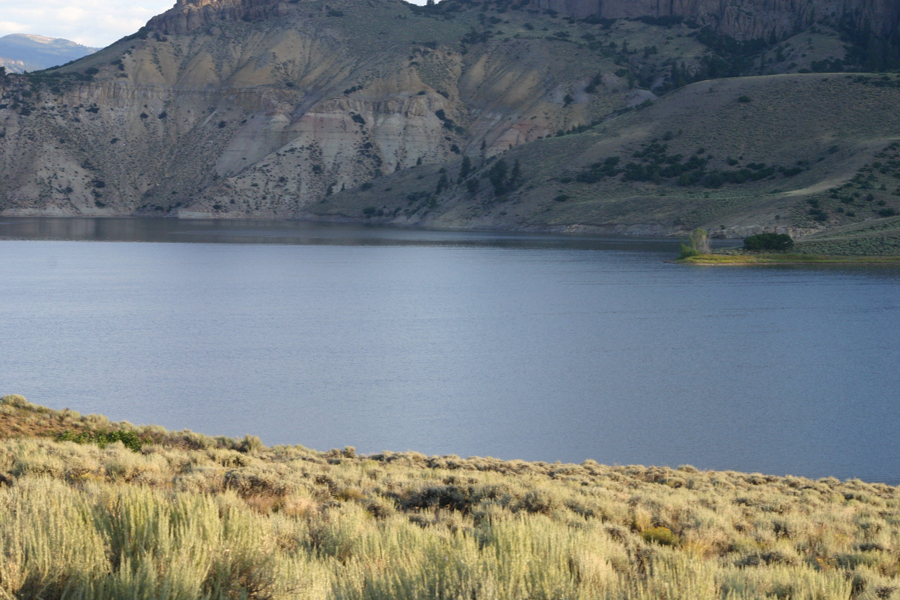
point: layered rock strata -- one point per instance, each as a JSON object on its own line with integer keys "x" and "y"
{"x": 740, "y": 19}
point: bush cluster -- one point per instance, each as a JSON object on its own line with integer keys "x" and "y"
{"x": 774, "y": 242}
{"x": 654, "y": 164}
{"x": 102, "y": 438}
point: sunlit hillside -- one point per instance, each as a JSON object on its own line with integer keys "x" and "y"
{"x": 93, "y": 509}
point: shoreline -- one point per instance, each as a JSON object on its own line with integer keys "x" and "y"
{"x": 21, "y": 419}
{"x": 786, "y": 259}
{"x": 103, "y": 510}
{"x": 624, "y": 230}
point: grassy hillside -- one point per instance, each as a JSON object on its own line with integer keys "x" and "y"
{"x": 262, "y": 114}
{"x": 259, "y": 108}
{"x": 181, "y": 515}
{"x": 798, "y": 152}
{"x": 870, "y": 238}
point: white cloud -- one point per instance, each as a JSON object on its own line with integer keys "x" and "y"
{"x": 95, "y": 23}
{"x": 7, "y": 27}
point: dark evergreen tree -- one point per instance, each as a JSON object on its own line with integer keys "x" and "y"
{"x": 465, "y": 168}
{"x": 442, "y": 184}
{"x": 497, "y": 177}
{"x": 515, "y": 178}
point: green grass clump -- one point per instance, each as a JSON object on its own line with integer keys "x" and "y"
{"x": 660, "y": 535}
{"x": 102, "y": 438}
{"x": 687, "y": 251}
{"x": 189, "y": 517}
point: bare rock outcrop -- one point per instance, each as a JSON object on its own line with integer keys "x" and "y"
{"x": 740, "y": 19}
{"x": 191, "y": 15}
{"x": 243, "y": 108}
{"x": 225, "y": 111}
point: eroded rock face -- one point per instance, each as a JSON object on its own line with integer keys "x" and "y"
{"x": 882, "y": 16}
{"x": 338, "y": 144}
{"x": 741, "y": 19}
{"x": 264, "y": 116}
{"x": 190, "y": 15}
{"x": 232, "y": 109}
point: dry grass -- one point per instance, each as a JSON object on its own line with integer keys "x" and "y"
{"x": 217, "y": 519}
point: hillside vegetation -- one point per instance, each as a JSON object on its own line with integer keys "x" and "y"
{"x": 733, "y": 117}
{"x": 880, "y": 237}
{"x": 93, "y": 509}
{"x": 794, "y": 152}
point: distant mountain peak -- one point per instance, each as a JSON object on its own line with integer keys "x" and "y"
{"x": 40, "y": 39}
{"x": 29, "y": 52}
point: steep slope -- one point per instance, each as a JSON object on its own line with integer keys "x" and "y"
{"x": 262, "y": 108}
{"x": 792, "y": 153}
{"x": 266, "y": 111}
{"x": 742, "y": 20}
{"x": 22, "y": 52}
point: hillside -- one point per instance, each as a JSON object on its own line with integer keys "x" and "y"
{"x": 881, "y": 236}
{"x": 109, "y": 510}
{"x": 793, "y": 152}
{"x": 22, "y": 52}
{"x": 349, "y": 110}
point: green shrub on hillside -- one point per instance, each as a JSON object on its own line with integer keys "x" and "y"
{"x": 102, "y": 438}
{"x": 660, "y": 535}
{"x": 654, "y": 164}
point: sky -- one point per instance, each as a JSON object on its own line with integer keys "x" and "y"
{"x": 95, "y": 23}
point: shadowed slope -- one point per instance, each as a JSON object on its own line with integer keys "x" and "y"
{"x": 796, "y": 152}
{"x": 257, "y": 108}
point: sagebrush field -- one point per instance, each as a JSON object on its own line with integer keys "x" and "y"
{"x": 140, "y": 512}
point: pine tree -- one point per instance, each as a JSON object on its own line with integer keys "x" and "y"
{"x": 442, "y": 184}
{"x": 465, "y": 168}
{"x": 516, "y": 176}
{"x": 497, "y": 177}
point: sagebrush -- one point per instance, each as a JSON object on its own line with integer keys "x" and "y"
{"x": 188, "y": 516}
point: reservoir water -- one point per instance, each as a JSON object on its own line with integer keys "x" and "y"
{"x": 539, "y": 347}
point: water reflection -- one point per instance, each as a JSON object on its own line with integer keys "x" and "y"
{"x": 305, "y": 233}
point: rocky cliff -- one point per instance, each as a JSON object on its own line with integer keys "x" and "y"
{"x": 261, "y": 108}
{"x": 190, "y": 15}
{"x": 741, "y": 19}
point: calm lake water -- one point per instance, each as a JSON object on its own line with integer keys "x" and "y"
{"x": 537, "y": 347}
